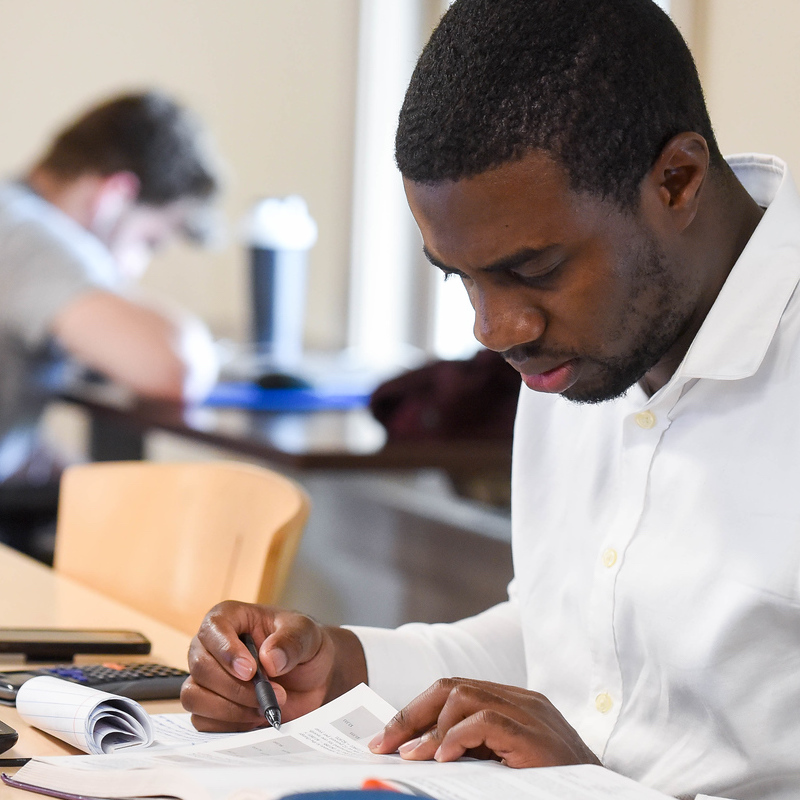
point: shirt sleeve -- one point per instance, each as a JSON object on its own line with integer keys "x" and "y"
{"x": 403, "y": 662}
{"x": 45, "y": 267}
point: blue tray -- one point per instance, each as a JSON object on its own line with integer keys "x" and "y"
{"x": 242, "y": 394}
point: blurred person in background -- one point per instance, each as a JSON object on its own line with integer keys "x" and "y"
{"x": 76, "y": 231}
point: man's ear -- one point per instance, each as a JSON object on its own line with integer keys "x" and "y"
{"x": 115, "y": 194}
{"x": 672, "y": 188}
{"x": 123, "y": 184}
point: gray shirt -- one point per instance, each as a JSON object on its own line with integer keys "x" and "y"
{"x": 46, "y": 261}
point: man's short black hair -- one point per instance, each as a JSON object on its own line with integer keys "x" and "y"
{"x": 602, "y": 85}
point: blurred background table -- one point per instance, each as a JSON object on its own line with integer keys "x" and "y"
{"x": 388, "y": 540}
{"x": 307, "y": 440}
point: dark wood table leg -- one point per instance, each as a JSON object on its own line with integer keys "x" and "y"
{"x": 110, "y": 441}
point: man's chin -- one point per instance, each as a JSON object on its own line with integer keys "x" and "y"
{"x": 599, "y": 393}
{"x": 592, "y": 399}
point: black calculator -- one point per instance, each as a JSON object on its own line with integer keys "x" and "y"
{"x": 134, "y": 680}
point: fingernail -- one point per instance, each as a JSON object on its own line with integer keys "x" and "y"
{"x": 279, "y": 660}
{"x": 410, "y": 745}
{"x": 376, "y": 742}
{"x": 243, "y": 669}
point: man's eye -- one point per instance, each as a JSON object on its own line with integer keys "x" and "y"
{"x": 539, "y": 274}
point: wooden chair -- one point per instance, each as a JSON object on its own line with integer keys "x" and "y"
{"x": 172, "y": 540}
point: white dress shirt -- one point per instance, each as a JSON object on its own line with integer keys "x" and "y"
{"x": 656, "y": 549}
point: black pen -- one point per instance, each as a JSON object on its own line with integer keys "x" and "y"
{"x": 267, "y": 701}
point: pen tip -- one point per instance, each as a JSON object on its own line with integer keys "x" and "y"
{"x": 274, "y": 718}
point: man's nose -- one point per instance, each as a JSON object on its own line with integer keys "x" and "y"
{"x": 502, "y": 322}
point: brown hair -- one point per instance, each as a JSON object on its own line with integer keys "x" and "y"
{"x": 147, "y": 134}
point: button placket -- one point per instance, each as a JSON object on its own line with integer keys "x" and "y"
{"x": 646, "y": 420}
{"x": 603, "y": 702}
{"x": 609, "y": 557}
{"x": 642, "y": 432}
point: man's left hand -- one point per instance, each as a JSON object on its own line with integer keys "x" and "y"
{"x": 458, "y": 716}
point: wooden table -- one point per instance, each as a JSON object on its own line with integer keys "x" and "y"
{"x": 320, "y": 440}
{"x": 32, "y": 595}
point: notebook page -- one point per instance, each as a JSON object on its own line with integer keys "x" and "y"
{"x": 93, "y": 721}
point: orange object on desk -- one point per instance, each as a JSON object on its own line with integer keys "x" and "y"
{"x": 386, "y": 786}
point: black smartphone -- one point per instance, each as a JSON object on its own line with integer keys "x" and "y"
{"x": 8, "y": 737}
{"x": 59, "y": 644}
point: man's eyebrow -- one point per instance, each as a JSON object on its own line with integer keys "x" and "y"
{"x": 508, "y": 262}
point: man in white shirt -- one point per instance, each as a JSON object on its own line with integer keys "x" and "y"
{"x": 558, "y": 159}
{"x": 76, "y": 231}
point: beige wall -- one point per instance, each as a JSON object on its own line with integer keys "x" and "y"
{"x": 748, "y": 55}
{"x": 274, "y": 79}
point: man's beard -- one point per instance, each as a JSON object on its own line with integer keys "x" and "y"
{"x": 653, "y": 335}
{"x": 652, "y": 332}
{"x": 619, "y": 374}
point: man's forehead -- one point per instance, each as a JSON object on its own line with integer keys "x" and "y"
{"x": 535, "y": 170}
{"x": 532, "y": 190}
{"x": 523, "y": 203}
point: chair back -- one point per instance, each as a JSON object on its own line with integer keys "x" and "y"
{"x": 174, "y": 539}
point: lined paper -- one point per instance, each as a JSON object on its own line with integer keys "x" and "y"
{"x": 91, "y": 720}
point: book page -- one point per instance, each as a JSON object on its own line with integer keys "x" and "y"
{"x": 172, "y": 730}
{"x": 338, "y": 730}
{"x": 324, "y": 749}
{"x": 461, "y": 780}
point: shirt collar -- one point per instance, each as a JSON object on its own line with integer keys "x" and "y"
{"x": 739, "y": 328}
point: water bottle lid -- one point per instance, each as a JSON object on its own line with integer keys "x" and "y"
{"x": 280, "y": 223}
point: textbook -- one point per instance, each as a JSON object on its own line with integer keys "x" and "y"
{"x": 326, "y": 749}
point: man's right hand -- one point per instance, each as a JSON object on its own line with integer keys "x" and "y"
{"x": 307, "y": 663}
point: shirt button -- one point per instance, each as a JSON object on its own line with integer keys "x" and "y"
{"x": 646, "y": 419}
{"x": 603, "y": 703}
{"x": 609, "y": 557}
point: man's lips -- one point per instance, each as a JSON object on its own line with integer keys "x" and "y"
{"x": 555, "y": 380}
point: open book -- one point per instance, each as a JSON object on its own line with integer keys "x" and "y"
{"x": 326, "y": 749}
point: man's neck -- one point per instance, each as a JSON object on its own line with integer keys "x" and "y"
{"x": 76, "y": 197}
{"x": 722, "y": 231}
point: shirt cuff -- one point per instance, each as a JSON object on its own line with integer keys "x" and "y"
{"x": 399, "y": 665}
